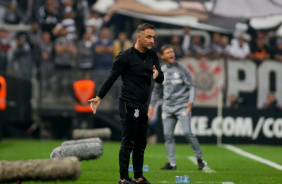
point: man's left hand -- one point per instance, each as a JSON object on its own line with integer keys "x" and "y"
{"x": 155, "y": 72}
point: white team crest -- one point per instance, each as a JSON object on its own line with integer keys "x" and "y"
{"x": 136, "y": 114}
{"x": 176, "y": 75}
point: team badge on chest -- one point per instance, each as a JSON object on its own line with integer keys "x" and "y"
{"x": 136, "y": 114}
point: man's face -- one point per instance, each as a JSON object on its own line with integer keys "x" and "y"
{"x": 146, "y": 38}
{"x": 105, "y": 33}
{"x": 168, "y": 55}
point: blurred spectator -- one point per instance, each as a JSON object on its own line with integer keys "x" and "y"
{"x": 252, "y": 32}
{"x": 271, "y": 102}
{"x": 48, "y": 16}
{"x": 234, "y": 102}
{"x": 68, "y": 21}
{"x": 176, "y": 45}
{"x": 95, "y": 20}
{"x": 259, "y": 51}
{"x": 68, "y": 7}
{"x": 65, "y": 51}
{"x": 85, "y": 52}
{"x": 47, "y": 50}
{"x": 69, "y": 24}
{"x": 82, "y": 13}
{"x": 91, "y": 28}
{"x": 216, "y": 48}
{"x": 34, "y": 39}
{"x": 278, "y": 51}
{"x": 9, "y": 12}
{"x": 22, "y": 58}
{"x": 186, "y": 40}
{"x": 197, "y": 48}
{"x": 116, "y": 21}
{"x": 46, "y": 63}
{"x": 224, "y": 40}
{"x": 84, "y": 90}
{"x": 4, "y": 48}
{"x": 239, "y": 48}
{"x": 65, "y": 55}
{"x": 104, "y": 51}
{"x": 121, "y": 43}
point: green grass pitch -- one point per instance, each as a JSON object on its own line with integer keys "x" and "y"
{"x": 228, "y": 166}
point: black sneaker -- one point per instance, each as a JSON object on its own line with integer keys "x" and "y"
{"x": 168, "y": 167}
{"x": 144, "y": 181}
{"x": 127, "y": 181}
{"x": 201, "y": 164}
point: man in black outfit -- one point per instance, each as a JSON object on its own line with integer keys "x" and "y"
{"x": 136, "y": 66}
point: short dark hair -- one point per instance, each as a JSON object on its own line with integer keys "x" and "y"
{"x": 164, "y": 47}
{"x": 144, "y": 26}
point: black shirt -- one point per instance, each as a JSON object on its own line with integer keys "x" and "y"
{"x": 136, "y": 71}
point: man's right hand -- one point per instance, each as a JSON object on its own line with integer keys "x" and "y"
{"x": 94, "y": 103}
{"x": 151, "y": 112}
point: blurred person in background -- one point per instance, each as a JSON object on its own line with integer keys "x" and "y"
{"x": 239, "y": 48}
{"x": 34, "y": 39}
{"x": 82, "y": 10}
{"x": 277, "y": 54}
{"x": 91, "y": 28}
{"x": 176, "y": 45}
{"x": 104, "y": 50}
{"x": 4, "y": 48}
{"x": 46, "y": 65}
{"x": 234, "y": 102}
{"x": 271, "y": 102}
{"x": 153, "y": 124}
{"x": 178, "y": 94}
{"x": 186, "y": 40}
{"x": 197, "y": 48}
{"x": 83, "y": 90}
{"x": 69, "y": 24}
{"x": 224, "y": 40}
{"x": 68, "y": 21}
{"x": 22, "y": 61}
{"x": 121, "y": 43}
{"x": 95, "y": 19}
{"x": 136, "y": 65}
{"x": 85, "y": 53}
{"x": 10, "y": 12}
{"x": 48, "y": 16}
{"x": 216, "y": 48}
{"x": 65, "y": 51}
{"x": 64, "y": 59}
{"x": 259, "y": 51}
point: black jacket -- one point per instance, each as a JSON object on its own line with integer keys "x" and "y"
{"x": 136, "y": 71}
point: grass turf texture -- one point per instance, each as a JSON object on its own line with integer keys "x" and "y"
{"x": 229, "y": 166}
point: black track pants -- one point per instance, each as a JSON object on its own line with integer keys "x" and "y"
{"x": 134, "y": 122}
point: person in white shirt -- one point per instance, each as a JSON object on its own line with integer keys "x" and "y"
{"x": 239, "y": 48}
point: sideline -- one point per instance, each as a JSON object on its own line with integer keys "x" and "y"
{"x": 251, "y": 156}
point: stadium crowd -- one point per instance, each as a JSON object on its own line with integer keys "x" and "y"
{"x": 69, "y": 34}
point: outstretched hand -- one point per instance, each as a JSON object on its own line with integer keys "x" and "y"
{"x": 94, "y": 103}
{"x": 155, "y": 72}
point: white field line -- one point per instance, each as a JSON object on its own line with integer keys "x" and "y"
{"x": 254, "y": 157}
{"x": 206, "y": 169}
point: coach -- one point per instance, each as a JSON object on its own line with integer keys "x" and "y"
{"x": 136, "y": 66}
